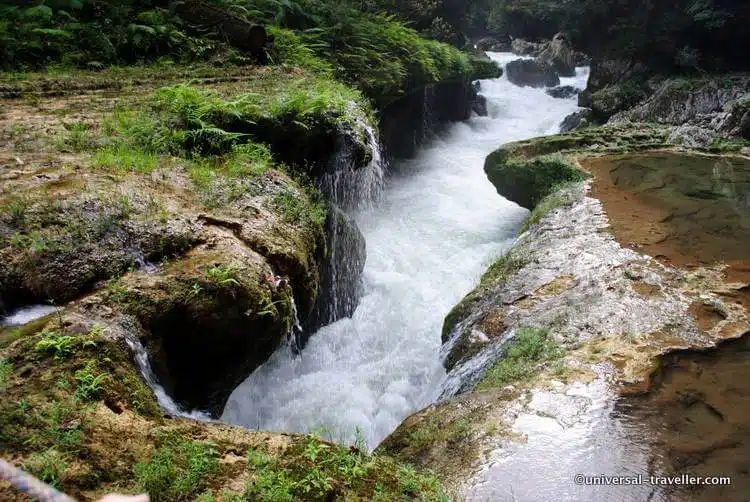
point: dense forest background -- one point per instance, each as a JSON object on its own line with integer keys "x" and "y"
{"x": 704, "y": 35}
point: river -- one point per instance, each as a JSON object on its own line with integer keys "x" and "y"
{"x": 435, "y": 229}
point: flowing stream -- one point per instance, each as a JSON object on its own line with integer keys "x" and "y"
{"x": 437, "y": 227}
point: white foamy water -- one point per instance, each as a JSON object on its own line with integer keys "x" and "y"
{"x": 26, "y": 314}
{"x": 440, "y": 223}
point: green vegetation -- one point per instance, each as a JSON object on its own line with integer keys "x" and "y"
{"x": 222, "y": 275}
{"x": 294, "y": 209}
{"x": 528, "y": 181}
{"x": 56, "y": 344}
{"x": 178, "y": 469}
{"x": 435, "y": 428}
{"x": 122, "y": 159}
{"x": 77, "y": 138}
{"x": 352, "y": 41}
{"x": 503, "y": 269}
{"x": 47, "y": 466}
{"x": 6, "y": 368}
{"x": 87, "y": 33}
{"x": 521, "y": 358}
{"x": 315, "y": 470}
{"x": 559, "y": 197}
{"x": 89, "y": 383}
{"x": 666, "y": 35}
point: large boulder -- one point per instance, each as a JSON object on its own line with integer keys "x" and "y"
{"x": 525, "y": 48}
{"x": 563, "y": 91}
{"x": 527, "y": 182}
{"x": 493, "y": 44}
{"x": 612, "y": 99}
{"x": 531, "y": 73}
{"x": 560, "y": 55}
{"x": 576, "y": 120}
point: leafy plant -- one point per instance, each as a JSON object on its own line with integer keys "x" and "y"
{"x": 177, "y": 470}
{"x": 222, "y": 275}
{"x": 47, "y": 466}
{"x": 520, "y": 358}
{"x": 52, "y": 342}
{"x": 89, "y": 384}
{"x": 77, "y": 138}
{"x": 6, "y": 368}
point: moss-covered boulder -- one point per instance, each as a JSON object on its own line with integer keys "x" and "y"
{"x": 62, "y": 230}
{"x": 76, "y": 413}
{"x": 526, "y": 182}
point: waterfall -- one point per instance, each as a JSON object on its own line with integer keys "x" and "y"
{"x": 347, "y": 186}
{"x": 345, "y": 183}
{"x": 437, "y": 226}
{"x": 143, "y": 360}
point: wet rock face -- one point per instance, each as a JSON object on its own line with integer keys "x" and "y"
{"x": 531, "y": 73}
{"x": 525, "y": 48}
{"x": 408, "y": 122}
{"x": 575, "y": 121}
{"x": 563, "y": 92}
{"x": 493, "y": 44}
{"x": 207, "y": 321}
{"x": 62, "y": 240}
{"x": 341, "y": 276}
{"x": 560, "y": 55}
{"x": 681, "y": 101}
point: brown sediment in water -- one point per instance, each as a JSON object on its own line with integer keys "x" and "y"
{"x": 682, "y": 209}
{"x": 685, "y": 210}
{"x": 694, "y": 419}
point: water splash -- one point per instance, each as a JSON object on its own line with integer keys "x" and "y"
{"x": 26, "y": 315}
{"x": 143, "y": 360}
{"x": 436, "y": 228}
{"x": 347, "y": 184}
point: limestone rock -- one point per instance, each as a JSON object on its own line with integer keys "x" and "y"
{"x": 563, "y": 92}
{"x": 531, "y": 73}
{"x": 524, "y": 48}
{"x": 493, "y": 44}
{"x": 691, "y": 136}
{"x": 560, "y": 55}
{"x": 576, "y": 120}
{"x": 678, "y": 101}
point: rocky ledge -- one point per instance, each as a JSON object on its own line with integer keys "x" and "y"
{"x": 581, "y": 309}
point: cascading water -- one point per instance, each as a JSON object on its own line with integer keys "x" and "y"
{"x": 438, "y": 226}
{"x": 141, "y": 357}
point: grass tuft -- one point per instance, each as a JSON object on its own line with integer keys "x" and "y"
{"x": 521, "y": 358}
{"x": 177, "y": 470}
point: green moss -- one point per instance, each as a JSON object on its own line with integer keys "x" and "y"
{"x": 177, "y": 470}
{"x": 721, "y": 145}
{"x": 506, "y": 266}
{"x": 521, "y": 358}
{"x": 6, "y": 368}
{"x": 557, "y": 199}
{"x": 9, "y": 335}
{"x": 314, "y": 470}
{"x": 614, "y": 98}
{"x": 527, "y": 182}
